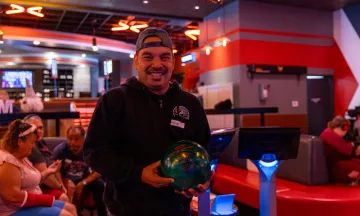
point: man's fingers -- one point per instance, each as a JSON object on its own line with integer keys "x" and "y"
{"x": 187, "y": 194}
{"x": 164, "y": 181}
{"x": 156, "y": 164}
{"x": 193, "y": 192}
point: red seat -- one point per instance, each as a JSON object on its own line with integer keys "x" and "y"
{"x": 292, "y": 198}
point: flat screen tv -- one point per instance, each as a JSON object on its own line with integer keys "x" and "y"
{"x": 16, "y": 78}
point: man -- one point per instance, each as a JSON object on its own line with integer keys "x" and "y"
{"x": 41, "y": 158}
{"x": 76, "y": 174}
{"x": 133, "y": 125}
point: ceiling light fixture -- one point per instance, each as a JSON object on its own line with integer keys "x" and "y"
{"x": 131, "y": 55}
{"x": 15, "y": 9}
{"x": 83, "y": 55}
{"x": 136, "y": 28}
{"x": 36, "y": 11}
{"x": 133, "y": 27}
{"x": 122, "y": 27}
{"x": 197, "y": 7}
{"x": 145, "y": 2}
{"x": 191, "y": 33}
{"x": 36, "y": 42}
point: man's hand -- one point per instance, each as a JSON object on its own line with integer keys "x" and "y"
{"x": 71, "y": 189}
{"x": 78, "y": 189}
{"x": 201, "y": 188}
{"x": 150, "y": 176}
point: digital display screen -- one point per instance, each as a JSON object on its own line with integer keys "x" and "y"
{"x": 15, "y": 79}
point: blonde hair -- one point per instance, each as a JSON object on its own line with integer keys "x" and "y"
{"x": 9, "y": 141}
{"x": 338, "y": 121}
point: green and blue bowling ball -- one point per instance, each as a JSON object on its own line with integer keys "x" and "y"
{"x": 188, "y": 163}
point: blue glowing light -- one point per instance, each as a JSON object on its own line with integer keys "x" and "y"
{"x": 268, "y": 164}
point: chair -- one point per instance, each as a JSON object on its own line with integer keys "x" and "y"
{"x": 223, "y": 205}
{"x": 86, "y": 202}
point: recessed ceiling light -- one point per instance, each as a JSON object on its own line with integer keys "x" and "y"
{"x": 36, "y": 42}
{"x": 10, "y": 63}
{"x": 131, "y": 55}
{"x": 197, "y": 7}
{"x": 83, "y": 55}
{"x": 145, "y": 2}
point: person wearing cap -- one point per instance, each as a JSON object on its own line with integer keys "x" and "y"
{"x": 133, "y": 125}
{"x": 341, "y": 155}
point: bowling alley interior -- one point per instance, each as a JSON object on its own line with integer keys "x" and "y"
{"x": 278, "y": 82}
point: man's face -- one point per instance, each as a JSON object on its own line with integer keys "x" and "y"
{"x": 40, "y": 127}
{"x": 154, "y": 65}
{"x": 75, "y": 141}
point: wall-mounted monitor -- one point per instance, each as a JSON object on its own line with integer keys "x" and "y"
{"x": 108, "y": 67}
{"x": 16, "y": 78}
{"x": 191, "y": 57}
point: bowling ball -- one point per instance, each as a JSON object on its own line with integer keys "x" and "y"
{"x": 188, "y": 163}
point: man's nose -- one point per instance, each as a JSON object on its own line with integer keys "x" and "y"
{"x": 156, "y": 64}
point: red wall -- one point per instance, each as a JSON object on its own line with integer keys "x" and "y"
{"x": 266, "y": 52}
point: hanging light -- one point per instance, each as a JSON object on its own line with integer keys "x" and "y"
{"x": 1, "y": 37}
{"x": 207, "y": 49}
{"x": 225, "y": 41}
{"x": 94, "y": 46}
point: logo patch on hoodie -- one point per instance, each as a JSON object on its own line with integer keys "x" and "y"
{"x": 181, "y": 111}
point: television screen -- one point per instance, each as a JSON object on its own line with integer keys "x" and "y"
{"x": 15, "y": 79}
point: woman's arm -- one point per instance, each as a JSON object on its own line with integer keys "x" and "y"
{"x": 51, "y": 180}
{"x": 10, "y": 182}
{"x": 10, "y": 189}
{"x": 336, "y": 142}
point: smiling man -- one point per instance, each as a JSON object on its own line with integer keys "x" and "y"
{"x": 133, "y": 125}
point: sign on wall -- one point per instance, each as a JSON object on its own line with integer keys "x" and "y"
{"x": 6, "y": 106}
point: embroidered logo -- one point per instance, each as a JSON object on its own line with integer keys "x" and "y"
{"x": 181, "y": 111}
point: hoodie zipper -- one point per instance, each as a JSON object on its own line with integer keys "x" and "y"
{"x": 161, "y": 104}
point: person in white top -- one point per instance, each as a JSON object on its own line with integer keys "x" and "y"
{"x": 20, "y": 193}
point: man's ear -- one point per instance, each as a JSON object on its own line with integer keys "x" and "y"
{"x": 173, "y": 62}
{"x": 136, "y": 63}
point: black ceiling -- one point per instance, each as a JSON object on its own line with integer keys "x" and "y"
{"x": 97, "y": 18}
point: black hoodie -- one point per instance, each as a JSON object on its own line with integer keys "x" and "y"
{"x": 131, "y": 129}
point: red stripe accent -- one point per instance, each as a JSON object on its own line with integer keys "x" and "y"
{"x": 42, "y": 60}
{"x": 11, "y": 31}
{"x": 268, "y": 32}
{"x": 265, "y": 52}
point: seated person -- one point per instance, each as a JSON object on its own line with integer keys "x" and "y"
{"x": 20, "y": 193}
{"x": 77, "y": 176}
{"x": 357, "y": 127}
{"x": 341, "y": 155}
{"x": 41, "y": 158}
